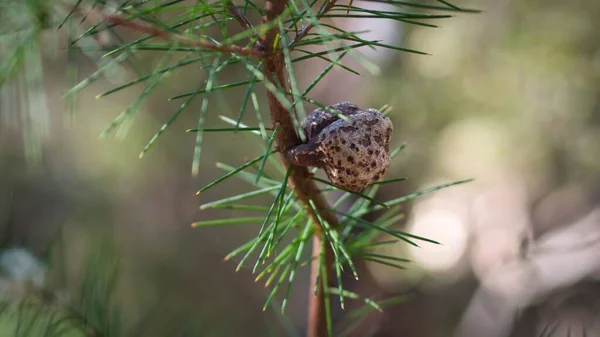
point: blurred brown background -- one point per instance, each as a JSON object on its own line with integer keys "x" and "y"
{"x": 509, "y": 97}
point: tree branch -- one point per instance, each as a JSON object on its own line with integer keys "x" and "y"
{"x": 118, "y": 19}
{"x": 317, "y": 322}
{"x": 304, "y": 187}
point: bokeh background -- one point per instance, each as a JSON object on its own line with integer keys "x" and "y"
{"x": 509, "y": 97}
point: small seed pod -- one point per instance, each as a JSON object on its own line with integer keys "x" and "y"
{"x": 354, "y": 152}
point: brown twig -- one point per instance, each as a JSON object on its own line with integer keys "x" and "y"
{"x": 305, "y": 188}
{"x": 99, "y": 15}
{"x": 317, "y": 323}
{"x": 234, "y": 11}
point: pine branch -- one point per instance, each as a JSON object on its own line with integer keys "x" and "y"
{"x": 305, "y": 188}
{"x": 284, "y": 27}
{"x": 118, "y": 19}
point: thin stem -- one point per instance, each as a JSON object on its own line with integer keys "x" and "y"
{"x": 317, "y": 319}
{"x": 234, "y": 11}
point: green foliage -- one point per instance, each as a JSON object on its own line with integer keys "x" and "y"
{"x": 279, "y": 263}
{"x": 187, "y": 35}
{"x": 32, "y": 306}
{"x": 29, "y": 318}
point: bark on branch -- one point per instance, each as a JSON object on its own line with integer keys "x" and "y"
{"x": 304, "y": 187}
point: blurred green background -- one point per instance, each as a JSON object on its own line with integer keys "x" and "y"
{"x": 509, "y": 97}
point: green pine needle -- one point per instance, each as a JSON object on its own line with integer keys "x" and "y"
{"x": 234, "y": 172}
{"x": 389, "y": 181}
{"x": 164, "y": 127}
{"x": 364, "y": 196}
{"x": 146, "y": 77}
{"x": 282, "y": 278}
{"x": 382, "y": 262}
{"x": 266, "y": 155}
{"x": 239, "y": 207}
{"x": 250, "y": 91}
{"x": 129, "y": 113}
{"x": 203, "y": 111}
{"x": 303, "y": 238}
{"x": 278, "y": 202}
{"x": 413, "y": 196}
{"x": 227, "y": 221}
{"x": 355, "y": 296}
{"x": 227, "y": 129}
{"x": 239, "y": 197}
{"x": 397, "y": 234}
{"x": 324, "y": 285}
{"x": 215, "y": 88}
{"x": 107, "y": 67}
{"x": 397, "y": 151}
